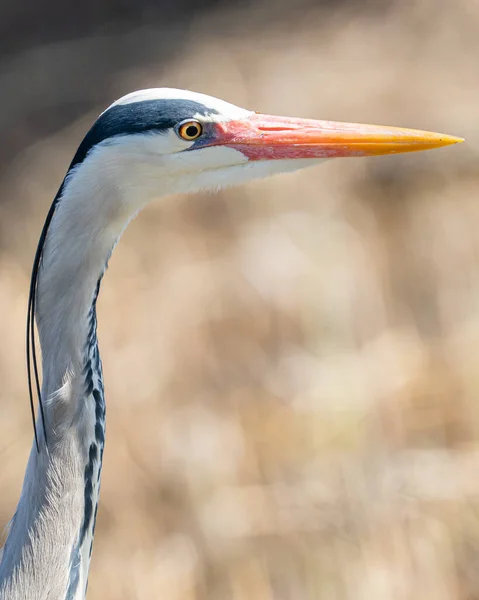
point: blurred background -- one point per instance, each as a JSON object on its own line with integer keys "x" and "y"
{"x": 291, "y": 367}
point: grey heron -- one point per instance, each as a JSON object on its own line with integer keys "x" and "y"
{"x": 148, "y": 144}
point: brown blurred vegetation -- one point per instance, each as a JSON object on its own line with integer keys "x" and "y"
{"x": 291, "y": 367}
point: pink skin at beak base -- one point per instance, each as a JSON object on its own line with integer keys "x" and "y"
{"x": 267, "y": 137}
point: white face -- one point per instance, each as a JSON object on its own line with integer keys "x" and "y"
{"x": 157, "y": 165}
{"x": 152, "y": 164}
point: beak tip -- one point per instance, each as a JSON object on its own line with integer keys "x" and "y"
{"x": 448, "y": 140}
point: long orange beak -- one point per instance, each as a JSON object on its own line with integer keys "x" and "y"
{"x": 266, "y": 137}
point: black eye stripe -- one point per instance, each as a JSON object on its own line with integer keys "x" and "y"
{"x": 140, "y": 117}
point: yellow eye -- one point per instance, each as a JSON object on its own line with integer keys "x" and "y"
{"x": 190, "y": 130}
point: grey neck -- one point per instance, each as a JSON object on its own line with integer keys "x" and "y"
{"x": 48, "y": 549}
{"x": 47, "y": 553}
{"x": 50, "y": 540}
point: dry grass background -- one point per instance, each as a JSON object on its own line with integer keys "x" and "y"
{"x": 291, "y": 367}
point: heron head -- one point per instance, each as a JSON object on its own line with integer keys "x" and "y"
{"x": 162, "y": 141}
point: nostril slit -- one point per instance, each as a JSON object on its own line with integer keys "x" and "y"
{"x": 265, "y": 128}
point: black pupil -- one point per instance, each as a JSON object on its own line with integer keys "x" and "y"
{"x": 192, "y": 130}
